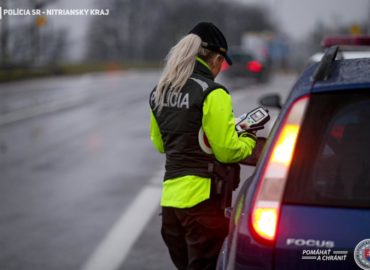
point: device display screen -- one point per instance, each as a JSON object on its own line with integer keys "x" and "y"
{"x": 258, "y": 115}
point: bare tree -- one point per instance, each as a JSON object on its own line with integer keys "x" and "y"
{"x": 144, "y": 30}
{"x": 24, "y": 43}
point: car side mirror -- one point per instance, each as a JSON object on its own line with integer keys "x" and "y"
{"x": 271, "y": 100}
{"x": 257, "y": 151}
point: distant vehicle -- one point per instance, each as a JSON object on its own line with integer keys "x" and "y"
{"x": 351, "y": 47}
{"x": 246, "y": 65}
{"x": 307, "y": 205}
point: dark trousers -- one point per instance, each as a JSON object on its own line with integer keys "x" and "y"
{"x": 194, "y": 236}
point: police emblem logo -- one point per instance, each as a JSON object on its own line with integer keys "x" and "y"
{"x": 367, "y": 254}
{"x": 362, "y": 254}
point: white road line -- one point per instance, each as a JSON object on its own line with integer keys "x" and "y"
{"x": 37, "y": 110}
{"x": 112, "y": 251}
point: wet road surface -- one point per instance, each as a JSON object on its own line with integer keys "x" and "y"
{"x": 79, "y": 176}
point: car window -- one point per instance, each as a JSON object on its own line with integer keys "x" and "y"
{"x": 331, "y": 164}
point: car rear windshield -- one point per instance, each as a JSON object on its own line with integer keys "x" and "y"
{"x": 331, "y": 163}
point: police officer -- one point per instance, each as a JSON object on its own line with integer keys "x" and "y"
{"x": 185, "y": 100}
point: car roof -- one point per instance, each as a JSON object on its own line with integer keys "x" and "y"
{"x": 344, "y": 74}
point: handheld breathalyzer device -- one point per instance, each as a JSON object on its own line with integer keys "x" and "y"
{"x": 254, "y": 120}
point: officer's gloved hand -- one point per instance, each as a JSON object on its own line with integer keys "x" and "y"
{"x": 245, "y": 127}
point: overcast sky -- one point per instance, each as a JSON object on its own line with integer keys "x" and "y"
{"x": 299, "y": 17}
{"x": 296, "y": 17}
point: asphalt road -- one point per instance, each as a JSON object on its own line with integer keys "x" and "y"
{"x": 79, "y": 179}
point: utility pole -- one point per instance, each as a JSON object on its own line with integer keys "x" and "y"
{"x": 4, "y": 35}
{"x": 37, "y": 4}
{"x": 39, "y": 22}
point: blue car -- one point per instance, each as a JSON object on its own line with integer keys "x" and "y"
{"x": 307, "y": 205}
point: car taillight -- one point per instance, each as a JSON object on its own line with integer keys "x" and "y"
{"x": 283, "y": 151}
{"x": 224, "y": 66}
{"x": 254, "y": 66}
{"x": 267, "y": 202}
{"x": 265, "y": 218}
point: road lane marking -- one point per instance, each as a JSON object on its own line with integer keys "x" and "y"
{"x": 117, "y": 244}
{"x": 30, "y": 112}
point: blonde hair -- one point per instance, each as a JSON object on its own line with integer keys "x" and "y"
{"x": 179, "y": 65}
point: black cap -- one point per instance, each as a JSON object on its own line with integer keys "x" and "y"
{"x": 212, "y": 38}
